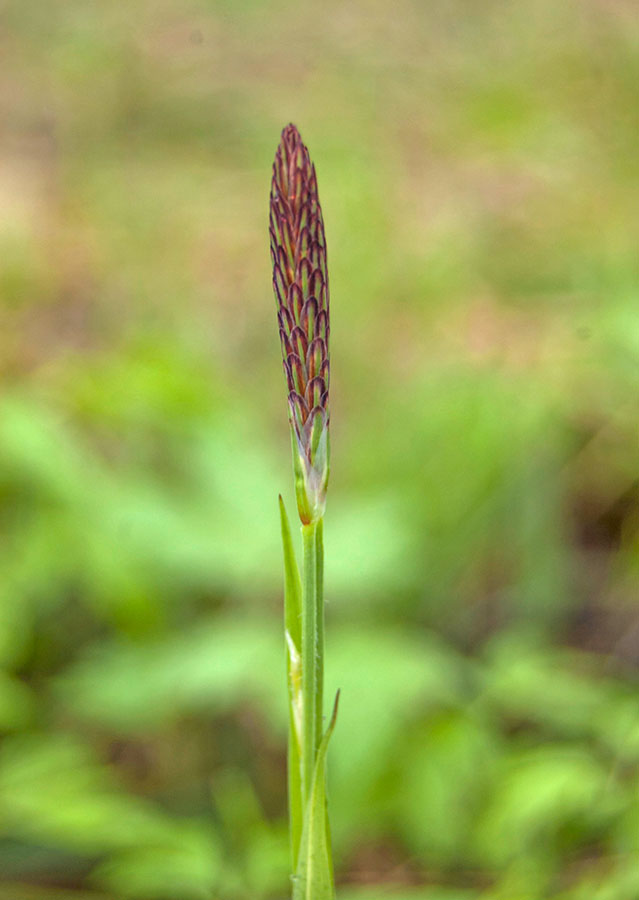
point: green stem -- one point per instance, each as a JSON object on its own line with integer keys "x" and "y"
{"x": 319, "y": 605}
{"x": 312, "y": 649}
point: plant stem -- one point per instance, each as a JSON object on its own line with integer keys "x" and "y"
{"x": 319, "y": 605}
{"x": 312, "y": 649}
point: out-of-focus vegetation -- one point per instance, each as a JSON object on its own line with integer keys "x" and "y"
{"x": 479, "y": 176}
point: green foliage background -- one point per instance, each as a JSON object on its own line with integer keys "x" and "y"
{"x": 479, "y": 176}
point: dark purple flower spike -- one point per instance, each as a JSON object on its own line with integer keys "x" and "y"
{"x": 300, "y": 282}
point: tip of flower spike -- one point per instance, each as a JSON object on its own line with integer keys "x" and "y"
{"x": 290, "y": 130}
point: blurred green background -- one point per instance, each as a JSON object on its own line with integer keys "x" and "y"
{"x": 479, "y": 173}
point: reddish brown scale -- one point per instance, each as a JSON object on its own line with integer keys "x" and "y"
{"x": 300, "y": 282}
{"x": 315, "y": 357}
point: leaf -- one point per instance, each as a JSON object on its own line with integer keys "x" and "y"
{"x": 552, "y": 796}
{"x": 292, "y": 624}
{"x": 187, "y": 867}
{"x": 412, "y": 671}
{"x": 314, "y": 878}
{"x": 292, "y": 583}
{"x": 446, "y": 767}
{"x": 206, "y": 670}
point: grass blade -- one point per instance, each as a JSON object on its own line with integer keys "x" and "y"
{"x": 314, "y": 878}
{"x": 293, "y": 633}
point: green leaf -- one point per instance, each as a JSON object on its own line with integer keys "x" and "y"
{"x": 292, "y": 583}
{"x": 187, "y": 867}
{"x": 292, "y": 624}
{"x": 314, "y": 878}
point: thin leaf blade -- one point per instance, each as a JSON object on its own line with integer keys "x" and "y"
{"x": 292, "y": 614}
{"x": 292, "y": 582}
{"x": 314, "y": 876}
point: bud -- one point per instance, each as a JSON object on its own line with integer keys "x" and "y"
{"x": 300, "y": 282}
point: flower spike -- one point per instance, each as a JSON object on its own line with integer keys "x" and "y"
{"x": 300, "y": 284}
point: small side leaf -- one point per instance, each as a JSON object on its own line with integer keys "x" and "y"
{"x": 292, "y": 624}
{"x": 292, "y": 583}
{"x": 314, "y": 877}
